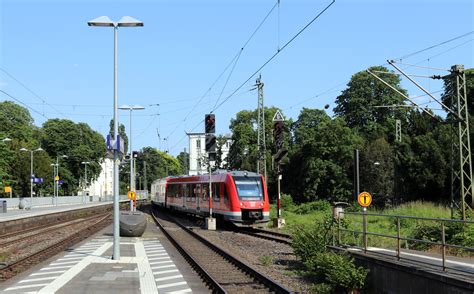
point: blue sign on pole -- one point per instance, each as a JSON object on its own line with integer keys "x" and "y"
{"x": 38, "y": 180}
{"x": 60, "y": 182}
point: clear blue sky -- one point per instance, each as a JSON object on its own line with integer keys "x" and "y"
{"x": 185, "y": 45}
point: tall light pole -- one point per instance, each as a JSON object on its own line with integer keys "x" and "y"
{"x": 6, "y": 139}
{"x": 126, "y": 21}
{"x": 132, "y": 167}
{"x": 56, "y": 177}
{"x": 31, "y": 169}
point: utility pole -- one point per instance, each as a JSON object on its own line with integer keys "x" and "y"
{"x": 398, "y": 130}
{"x": 462, "y": 174}
{"x": 261, "y": 147}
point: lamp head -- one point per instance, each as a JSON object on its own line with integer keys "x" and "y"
{"x": 128, "y": 21}
{"x": 101, "y": 21}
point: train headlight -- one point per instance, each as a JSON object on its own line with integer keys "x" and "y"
{"x": 261, "y": 204}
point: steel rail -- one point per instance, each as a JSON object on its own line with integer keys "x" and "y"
{"x": 272, "y": 285}
{"x": 43, "y": 229}
{"x": 214, "y": 285}
{"x": 275, "y": 236}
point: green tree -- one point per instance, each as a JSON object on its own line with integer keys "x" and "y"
{"x": 356, "y": 104}
{"x": 377, "y": 171}
{"x": 15, "y": 121}
{"x": 183, "y": 158}
{"x": 449, "y": 96}
{"x": 243, "y": 151}
{"x": 221, "y": 141}
{"x": 320, "y": 158}
{"x": 158, "y": 164}
{"x": 80, "y": 143}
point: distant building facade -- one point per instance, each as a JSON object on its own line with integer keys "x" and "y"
{"x": 198, "y": 156}
{"x": 103, "y": 185}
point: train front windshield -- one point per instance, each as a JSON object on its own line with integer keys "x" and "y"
{"x": 249, "y": 188}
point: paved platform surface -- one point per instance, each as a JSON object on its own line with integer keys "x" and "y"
{"x": 149, "y": 264}
{"x": 14, "y": 214}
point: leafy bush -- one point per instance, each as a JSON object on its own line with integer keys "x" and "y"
{"x": 455, "y": 233}
{"x": 319, "y": 205}
{"x": 323, "y": 288}
{"x": 287, "y": 201}
{"x": 309, "y": 241}
{"x": 338, "y": 270}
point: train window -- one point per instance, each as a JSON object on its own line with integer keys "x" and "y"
{"x": 216, "y": 192}
{"x": 249, "y": 188}
{"x": 205, "y": 192}
{"x": 226, "y": 196}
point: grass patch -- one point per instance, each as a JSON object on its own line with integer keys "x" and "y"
{"x": 265, "y": 260}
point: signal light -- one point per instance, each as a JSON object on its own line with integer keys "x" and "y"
{"x": 211, "y": 143}
{"x": 210, "y": 123}
{"x": 278, "y": 134}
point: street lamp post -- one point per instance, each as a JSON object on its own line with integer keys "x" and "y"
{"x": 132, "y": 167}
{"x": 85, "y": 163}
{"x": 6, "y": 139}
{"x": 31, "y": 169}
{"x": 54, "y": 165}
{"x": 126, "y": 21}
{"x": 56, "y": 177}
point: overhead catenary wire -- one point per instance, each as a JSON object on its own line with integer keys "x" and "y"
{"x": 233, "y": 61}
{"x": 273, "y": 56}
{"x": 31, "y": 91}
{"x": 443, "y": 52}
{"x": 24, "y": 104}
{"x": 433, "y": 46}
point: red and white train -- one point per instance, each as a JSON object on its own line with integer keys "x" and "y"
{"x": 238, "y": 196}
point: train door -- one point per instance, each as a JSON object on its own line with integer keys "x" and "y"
{"x": 163, "y": 189}
{"x": 196, "y": 194}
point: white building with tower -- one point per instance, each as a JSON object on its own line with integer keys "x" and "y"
{"x": 198, "y": 156}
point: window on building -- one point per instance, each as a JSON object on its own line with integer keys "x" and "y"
{"x": 198, "y": 143}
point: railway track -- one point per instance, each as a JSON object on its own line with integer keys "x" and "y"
{"x": 220, "y": 270}
{"x": 91, "y": 225}
{"x": 265, "y": 234}
{"x": 16, "y": 237}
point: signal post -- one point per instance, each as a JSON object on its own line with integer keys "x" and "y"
{"x": 210, "y": 129}
{"x": 278, "y": 139}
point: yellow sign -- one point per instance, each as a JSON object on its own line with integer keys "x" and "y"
{"x": 364, "y": 199}
{"x": 132, "y": 195}
{"x": 8, "y": 189}
{"x": 56, "y": 178}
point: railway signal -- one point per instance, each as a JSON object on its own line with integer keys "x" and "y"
{"x": 211, "y": 143}
{"x": 210, "y": 123}
{"x": 278, "y": 139}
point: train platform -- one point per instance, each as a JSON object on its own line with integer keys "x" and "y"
{"x": 148, "y": 264}
{"x": 15, "y": 214}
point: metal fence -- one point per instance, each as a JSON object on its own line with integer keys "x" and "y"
{"x": 397, "y": 236}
